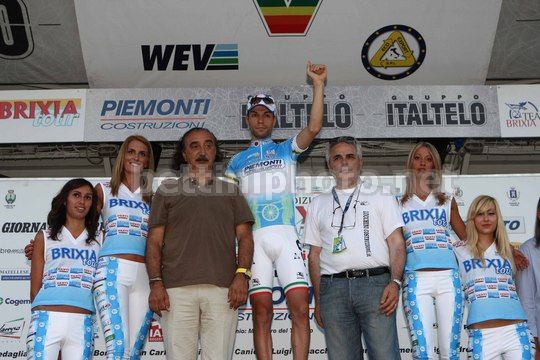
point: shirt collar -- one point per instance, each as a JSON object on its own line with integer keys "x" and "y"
{"x": 261, "y": 142}
{"x": 193, "y": 182}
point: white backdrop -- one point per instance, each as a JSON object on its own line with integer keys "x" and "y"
{"x": 118, "y": 39}
{"x": 24, "y": 204}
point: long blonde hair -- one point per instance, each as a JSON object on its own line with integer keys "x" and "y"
{"x": 118, "y": 168}
{"x": 435, "y": 184}
{"x": 502, "y": 243}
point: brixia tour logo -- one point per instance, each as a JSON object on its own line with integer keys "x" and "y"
{"x": 287, "y": 17}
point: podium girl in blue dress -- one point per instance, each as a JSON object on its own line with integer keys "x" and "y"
{"x": 496, "y": 321}
{"x": 62, "y": 275}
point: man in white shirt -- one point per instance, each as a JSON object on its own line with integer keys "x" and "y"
{"x": 356, "y": 260}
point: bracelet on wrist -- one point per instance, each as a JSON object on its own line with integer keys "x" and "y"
{"x": 397, "y": 282}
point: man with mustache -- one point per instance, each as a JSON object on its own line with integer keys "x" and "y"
{"x": 356, "y": 260}
{"x": 197, "y": 282}
{"x": 266, "y": 173}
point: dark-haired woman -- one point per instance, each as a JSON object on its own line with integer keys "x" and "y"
{"x": 528, "y": 281}
{"x": 62, "y": 274}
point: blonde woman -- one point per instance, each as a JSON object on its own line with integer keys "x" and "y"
{"x": 431, "y": 270}
{"x": 496, "y": 321}
{"x": 121, "y": 287}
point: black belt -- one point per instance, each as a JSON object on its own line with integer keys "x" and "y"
{"x": 358, "y": 273}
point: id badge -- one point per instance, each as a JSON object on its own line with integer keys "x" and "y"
{"x": 339, "y": 245}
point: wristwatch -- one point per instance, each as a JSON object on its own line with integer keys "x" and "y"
{"x": 398, "y": 282}
{"x": 246, "y": 272}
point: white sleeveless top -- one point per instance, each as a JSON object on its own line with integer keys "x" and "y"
{"x": 427, "y": 233}
{"x": 125, "y": 219}
{"x": 68, "y": 273}
{"x": 489, "y": 288}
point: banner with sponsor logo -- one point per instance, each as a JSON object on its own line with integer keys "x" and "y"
{"x": 42, "y": 116}
{"x": 519, "y": 110}
{"x": 363, "y": 112}
{"x": 267, "y": 42}
{"x": 24, "y": 204}
{"x": 39, "y": 43}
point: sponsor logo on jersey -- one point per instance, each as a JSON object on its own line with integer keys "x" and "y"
{"x": 87, "y": 257}
{"x": 132, "y": 204}
{"x": 436, "y": 215}
{"x": 264, "y": 166}
{"x": 497, "y": 264}
{"x": 270, "y": 154}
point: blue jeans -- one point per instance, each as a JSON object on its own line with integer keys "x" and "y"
{"x": 350, "y": 309}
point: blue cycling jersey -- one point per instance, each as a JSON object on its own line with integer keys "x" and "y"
{"x": 266, "y": 174}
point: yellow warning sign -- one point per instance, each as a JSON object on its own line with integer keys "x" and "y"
{"x": 389, "y": 56}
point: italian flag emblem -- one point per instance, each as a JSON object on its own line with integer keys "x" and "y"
{"x": 287, "y": 17}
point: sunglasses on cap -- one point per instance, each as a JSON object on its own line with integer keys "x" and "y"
{"x": 257, "y": 99}
{"x": 343, "y": 139}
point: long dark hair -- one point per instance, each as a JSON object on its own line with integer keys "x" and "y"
{"x": 178, "y": 158}
{"x": 57, "y": 216}
{"x": 537, "y": 227}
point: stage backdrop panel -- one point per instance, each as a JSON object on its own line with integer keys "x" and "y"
{"x": 24, "y": 204}
{"x": 198, "y": 43}
{"x": 361, "y": 111}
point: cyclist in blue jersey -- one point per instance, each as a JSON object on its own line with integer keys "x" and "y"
{"x": 266, "y": 174}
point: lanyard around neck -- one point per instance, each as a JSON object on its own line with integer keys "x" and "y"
{"x": 345, "y": 209}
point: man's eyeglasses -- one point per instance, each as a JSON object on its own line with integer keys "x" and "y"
{"x": 336, "y": 219}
